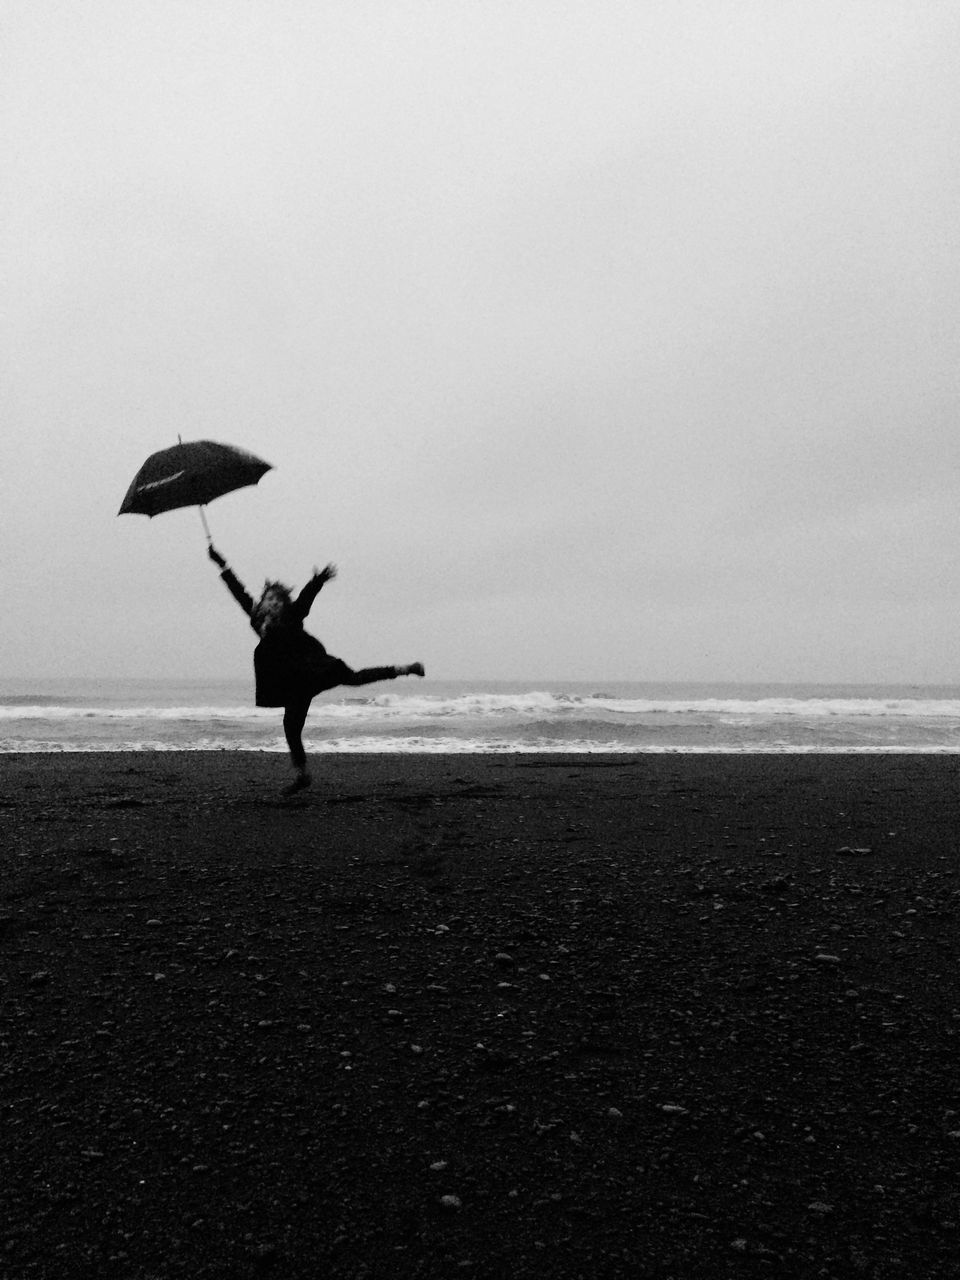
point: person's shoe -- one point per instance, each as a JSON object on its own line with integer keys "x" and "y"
{"x": 301, "y": 781}
{"x": 414, "y": 669}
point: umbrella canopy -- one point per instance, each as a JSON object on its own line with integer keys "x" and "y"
{"x": 190, "y": 475}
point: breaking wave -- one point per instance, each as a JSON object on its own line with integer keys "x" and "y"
{"x": 543, "y": 705}
{"x": 490, "y": 721}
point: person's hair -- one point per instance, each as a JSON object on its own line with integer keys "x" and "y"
{"x": 271, "y": 609}
{"x": 277, "y": 589}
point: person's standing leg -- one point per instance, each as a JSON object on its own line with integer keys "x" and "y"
{"x": 294, "y": 718}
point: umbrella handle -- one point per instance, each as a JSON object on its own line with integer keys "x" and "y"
{"x": 206, "y": 530}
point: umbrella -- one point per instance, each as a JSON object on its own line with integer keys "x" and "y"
{"x": 190, "y": 475}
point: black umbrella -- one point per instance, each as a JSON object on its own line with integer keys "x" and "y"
{"x": 190, "y": 475}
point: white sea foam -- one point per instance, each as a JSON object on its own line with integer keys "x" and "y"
{"x": 460, "y": 746}
{"x": 148, "y": 716}
{"x": 536, "y": 704}
{"x": 67, "y": 713}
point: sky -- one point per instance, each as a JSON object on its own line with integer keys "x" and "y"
{"x": 590, "y": 339}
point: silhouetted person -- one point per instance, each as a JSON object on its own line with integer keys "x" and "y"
{"x": 291, "y": 666}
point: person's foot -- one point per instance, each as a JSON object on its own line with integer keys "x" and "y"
{"x": 300, "y": 781}
{"x": 414, "y": 669}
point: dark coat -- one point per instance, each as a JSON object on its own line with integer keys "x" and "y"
{"x": 289, "y": 664}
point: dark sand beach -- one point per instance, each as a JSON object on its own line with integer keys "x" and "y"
{"x": 642, "y": 1016}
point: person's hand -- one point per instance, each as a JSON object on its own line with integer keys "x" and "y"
{"x": 325, "y": 574}
{"x": 216, "y": 557}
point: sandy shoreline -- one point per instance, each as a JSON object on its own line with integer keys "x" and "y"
{"x": 663, "y": 1015}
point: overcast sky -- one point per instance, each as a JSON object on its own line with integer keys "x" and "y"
{"x": 589, "y": 339}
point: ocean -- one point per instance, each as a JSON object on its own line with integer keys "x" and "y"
{"x": 483, "y": 716}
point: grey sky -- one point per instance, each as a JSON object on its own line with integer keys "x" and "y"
{"x": 589, "y": 339}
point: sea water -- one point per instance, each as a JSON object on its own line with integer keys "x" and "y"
{"x": 412, "y": 715}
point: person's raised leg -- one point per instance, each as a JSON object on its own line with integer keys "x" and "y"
{"x": 370, "y": 675}
{"x": 294, "y": 718}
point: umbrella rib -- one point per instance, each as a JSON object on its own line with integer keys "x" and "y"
{"x": 158, "y": 484}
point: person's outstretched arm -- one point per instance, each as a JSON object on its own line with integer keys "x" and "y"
{"x": 233, "y": 583}
{"x": 305, "y": 599}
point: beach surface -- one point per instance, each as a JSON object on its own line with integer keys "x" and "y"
{"x": 545, "y": 1016}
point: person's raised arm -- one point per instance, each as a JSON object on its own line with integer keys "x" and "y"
{"x": 232, "y": 582}
{"x": 305, "y": 599}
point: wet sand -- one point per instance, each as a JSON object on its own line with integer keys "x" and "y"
{"x": 493, "y": 1016}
